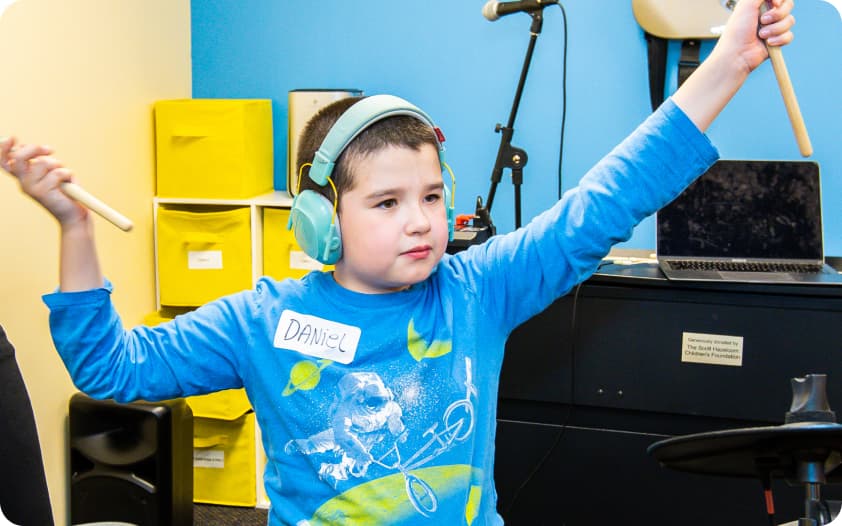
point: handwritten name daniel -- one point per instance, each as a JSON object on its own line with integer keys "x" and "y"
{"x": 317, "y": 337}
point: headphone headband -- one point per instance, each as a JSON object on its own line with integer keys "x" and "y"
{"x": 357, "y": 118}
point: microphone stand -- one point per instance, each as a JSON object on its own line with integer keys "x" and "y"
{"x": 509, "y": 156}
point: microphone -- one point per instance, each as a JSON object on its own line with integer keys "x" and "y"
{"x": 492, "y": 10}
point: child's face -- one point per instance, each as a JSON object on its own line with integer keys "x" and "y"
{"x": 393, "y": 221}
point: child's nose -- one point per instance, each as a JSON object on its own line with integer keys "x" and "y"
{"x": 418, "y": 220}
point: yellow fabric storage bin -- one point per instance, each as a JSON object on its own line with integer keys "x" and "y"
{"x": 214, "y": 148}
{"x": 155, "y": 318}
{"x": 282, "y": 257}
{"x": 224, "y": 449}
{"x": 164, "y": 315}
{"x": 203, "y": 255}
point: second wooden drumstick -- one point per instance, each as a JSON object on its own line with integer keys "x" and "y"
{"x": 788, "y": 94}
{"x": 81, "y": 195}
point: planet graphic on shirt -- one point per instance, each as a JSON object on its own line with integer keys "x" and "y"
{"x": 304, "y": 375}
{"x": 442, "y": 491}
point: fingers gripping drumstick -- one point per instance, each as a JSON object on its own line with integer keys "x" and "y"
{"x": 788, "y": 94}
{"x": 82, "y": 196}
{"x": 785, "y": 87}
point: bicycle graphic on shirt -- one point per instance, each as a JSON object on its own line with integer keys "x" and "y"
{"x": 458, "y": 421}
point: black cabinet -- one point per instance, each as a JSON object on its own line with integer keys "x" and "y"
{"x": 591, "y": 382}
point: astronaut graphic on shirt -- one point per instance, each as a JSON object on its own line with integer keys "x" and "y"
{"x": 363, "y": 414}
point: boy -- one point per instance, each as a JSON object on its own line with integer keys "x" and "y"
{"x": 375, "y": 386}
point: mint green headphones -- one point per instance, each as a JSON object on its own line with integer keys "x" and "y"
{"x": 313, "y": 216}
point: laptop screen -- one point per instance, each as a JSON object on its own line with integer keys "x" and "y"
{"x": 746, "y": 209}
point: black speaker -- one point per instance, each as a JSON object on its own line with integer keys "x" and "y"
{"x": 131, "y": 463}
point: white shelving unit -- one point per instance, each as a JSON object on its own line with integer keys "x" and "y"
{"x": 276, "y": 199}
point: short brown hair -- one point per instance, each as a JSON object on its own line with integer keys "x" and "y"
{"x": 400, "y": 130}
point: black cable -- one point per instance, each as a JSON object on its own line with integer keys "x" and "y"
{"x": 567, "y": 417}
{"x": 766, "y": 481}
{"x": 563, "y": 99}
{"x": 566, "y": 421}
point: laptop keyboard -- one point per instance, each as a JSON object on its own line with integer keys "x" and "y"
{"x": 731, "y": 266}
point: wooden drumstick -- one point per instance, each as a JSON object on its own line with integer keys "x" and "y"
{"x": 788, "y": 94}
{"x": 82, "y": 196}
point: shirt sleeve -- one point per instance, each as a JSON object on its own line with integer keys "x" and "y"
{"x": 519, "y": 274}
{"x": 192, "y": 354}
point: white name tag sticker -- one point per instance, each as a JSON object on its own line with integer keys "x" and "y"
{"x": 713, "y": 349}
{"x": 317, "y": 337}
{"x": 204, "y": 259}
{"x": 208, "y": 458}
{"x": 299, "y": 260}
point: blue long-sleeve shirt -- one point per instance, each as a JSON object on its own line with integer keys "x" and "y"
{"x": 380, "y": 409}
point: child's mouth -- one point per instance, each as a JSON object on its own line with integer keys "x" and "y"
{"x": 418, "y": 252}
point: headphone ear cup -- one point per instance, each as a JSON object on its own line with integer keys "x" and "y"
{"x": 317, "y": 233}
{"x": 451, "y": 214}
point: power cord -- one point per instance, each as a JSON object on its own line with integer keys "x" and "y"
{"x": 563, "y": 99}
{"x": 560, "y": 434}
{"x": 566, "y": 421}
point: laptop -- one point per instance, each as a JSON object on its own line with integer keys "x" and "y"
{"x": 747, "y": 221}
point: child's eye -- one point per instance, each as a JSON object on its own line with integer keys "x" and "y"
{"x": 432, "y": 198}
{"x": 388, "y": 203}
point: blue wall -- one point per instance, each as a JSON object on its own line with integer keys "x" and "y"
{"x": 463, "y": 70}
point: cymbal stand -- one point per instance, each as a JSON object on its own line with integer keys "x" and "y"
{"x": 811, "y": 474}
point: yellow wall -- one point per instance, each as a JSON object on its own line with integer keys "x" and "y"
{"x": 81, "y": 76}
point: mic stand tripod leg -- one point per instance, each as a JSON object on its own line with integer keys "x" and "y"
{"x": 517, "y": 181}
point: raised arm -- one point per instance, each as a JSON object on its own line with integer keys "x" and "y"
{"x": 40, "y": 176}
{"x": 740, "y": 49}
